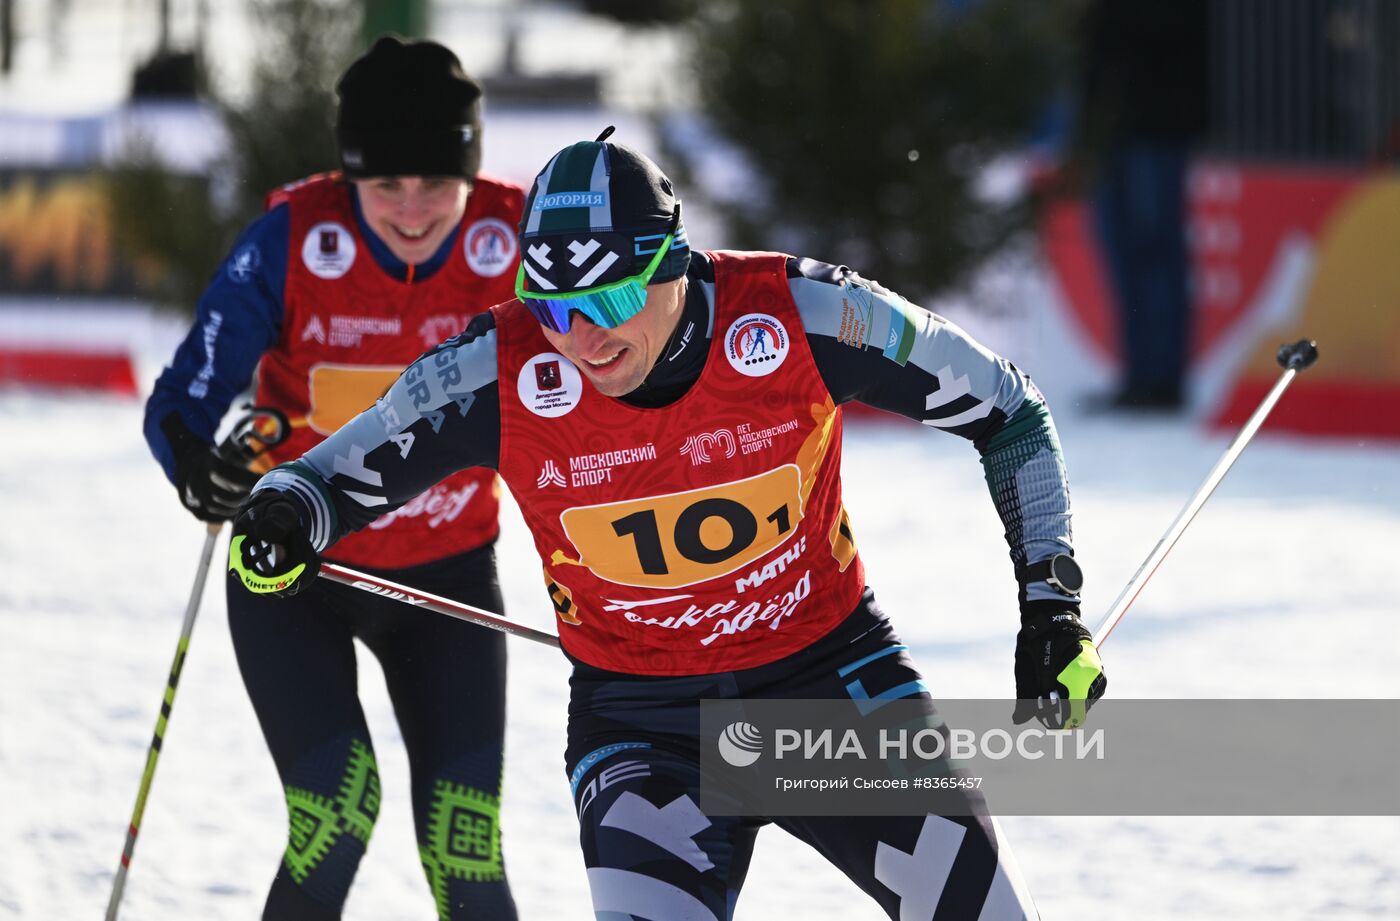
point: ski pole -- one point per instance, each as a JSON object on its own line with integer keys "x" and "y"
{"x": 1294, "y": 358}
{"x": 420, "y": 599}
{"x": 251, "y": 436}
{"x": 152, "y": 753}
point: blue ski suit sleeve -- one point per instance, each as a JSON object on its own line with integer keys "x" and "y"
{"x": 239, "y": 317}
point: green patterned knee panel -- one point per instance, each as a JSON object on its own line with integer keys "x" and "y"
{"x": 464, "y": 839}
{"x": 317, "y": 822}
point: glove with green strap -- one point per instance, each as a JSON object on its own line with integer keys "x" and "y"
{"x": 1058, "y": 671}
{"x": 270, "y": 552}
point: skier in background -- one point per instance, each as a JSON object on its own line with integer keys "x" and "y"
{"x": 344, "y": 281}
{"x": 699, "y": 472}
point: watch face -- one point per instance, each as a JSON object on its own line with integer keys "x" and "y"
{"x": 1067, "y": 572}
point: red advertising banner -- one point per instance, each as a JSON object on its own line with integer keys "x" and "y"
{"x": 1278, "y": 254}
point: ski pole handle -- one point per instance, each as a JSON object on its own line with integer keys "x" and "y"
{"x": 260, "y": 429}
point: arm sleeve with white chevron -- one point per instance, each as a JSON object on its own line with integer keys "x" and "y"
{"x": 441, "y": 415}
{"x": 873, "y": 346}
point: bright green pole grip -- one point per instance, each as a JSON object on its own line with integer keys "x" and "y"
{"x": 1077, "y": 677}
{"x": 251, "y": 580}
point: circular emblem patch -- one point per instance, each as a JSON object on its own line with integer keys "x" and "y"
{"x": 328, "y": 250}
{"x": 549, "y": 385}
{"x": 490, "y": 246}
{"x": 756, "y": 344}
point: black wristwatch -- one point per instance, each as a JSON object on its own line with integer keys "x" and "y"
{"x": 1060, "y": 572}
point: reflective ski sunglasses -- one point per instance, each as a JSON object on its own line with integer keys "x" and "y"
{"x": 609, "y": 305}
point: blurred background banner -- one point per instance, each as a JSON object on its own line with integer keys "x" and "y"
{"x": 1279, "y": 251}
{"x": 962, "y": 152}
{"x": 1287, "y": 210}
{"x": 54, "y": 236}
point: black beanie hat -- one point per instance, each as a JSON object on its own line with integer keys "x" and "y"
{"x": 605, "y": 193}
{"x": 408, "y": 109}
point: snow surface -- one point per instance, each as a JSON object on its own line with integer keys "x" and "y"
{"x": 1279, "y": 589}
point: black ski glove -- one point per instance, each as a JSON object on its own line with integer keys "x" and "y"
{"x": 270, "y": 552}
{"x": 1058, "y": 671}
{"x": 211, "y": 481}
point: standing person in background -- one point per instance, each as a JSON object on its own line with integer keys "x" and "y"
{"x": 1144, "y": 106}
{"x": 670, "y": 422}
{"x": 344, "y": 281}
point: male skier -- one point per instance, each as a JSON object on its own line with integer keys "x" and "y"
{"x": 663, "y": 469}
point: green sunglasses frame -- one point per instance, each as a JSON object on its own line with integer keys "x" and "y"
{"x": 642, "y": 278}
